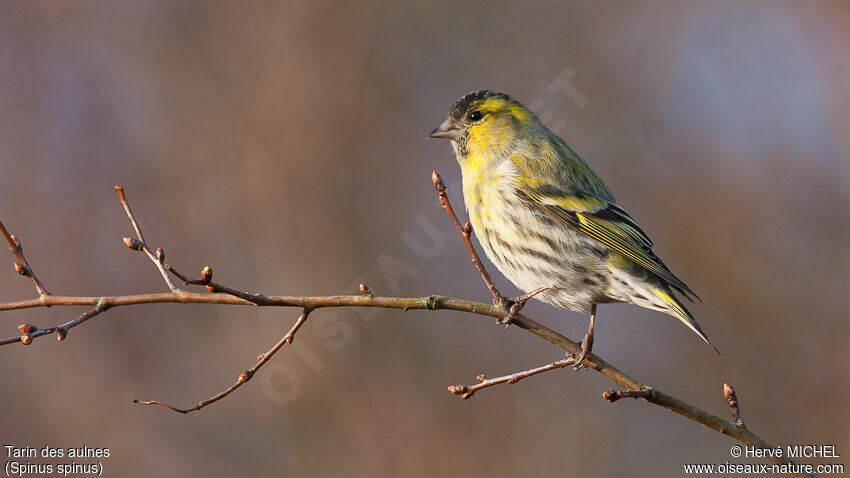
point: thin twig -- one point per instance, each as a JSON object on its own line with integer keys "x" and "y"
{"x": 513, "y": 305}
{"x": 243, "y": 377}
{"x": 159, "y": 258}
{"x": 517, "y": 304}
{"x": 614, "y": 395}
{"x": 22, "y": 266}
{"x": 467, "y": 391}
{"x": 466, "y": 232}
{"x": 32, "y": 332}
{"x": 206, "y": 280}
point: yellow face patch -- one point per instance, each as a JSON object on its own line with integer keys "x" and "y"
{"x": 496, "y": 133}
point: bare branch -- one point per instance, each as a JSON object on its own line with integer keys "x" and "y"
{"x": 466, "y": 232}
{"x": 513, "y": 305}
{"x": 467, "y": 391}
{"x": 139, "y": 244}
{"x": 22, "y": 267}
{"x": 243, "y": 377}
{"x": 32, "y": 332}
{"x": 206, "y": 280}
{"x": 614, "y": 395}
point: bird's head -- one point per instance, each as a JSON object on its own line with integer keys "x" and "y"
{"x": 485, "y": 125}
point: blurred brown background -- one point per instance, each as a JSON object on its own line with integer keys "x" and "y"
{"x": 284, "y": 144}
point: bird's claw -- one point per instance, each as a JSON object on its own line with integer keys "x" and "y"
{"x": 513, "y": 312}
{"x": 515, "y": 304}
{"x": 577, "y": 363}
{"x": 586, "y": 342}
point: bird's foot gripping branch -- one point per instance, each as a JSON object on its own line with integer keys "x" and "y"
{"x": 504, "y": 310}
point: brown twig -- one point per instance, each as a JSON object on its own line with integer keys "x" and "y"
{"x": 512, "y": 306}
{"x": 432, "y": 302}
{"x": 467, "y": 391}
{"x": 518, "y": 303}
{"x": 32, "y": 332}
{"x": 614, "y": 395}
{"x": 466, "y": 232}
{"x": 22, "y": 266}
{"x": 139, "y": 243}
{"x": 243, "y": 377}
{"x": 206, "y": 280}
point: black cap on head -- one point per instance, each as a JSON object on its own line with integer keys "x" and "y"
{"x": 454, "y": 126}
{"x": 461, "y": 105}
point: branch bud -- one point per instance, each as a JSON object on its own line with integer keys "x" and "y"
{"x": 210, "y": 288}
{"x": 438, "y": 182}
{"x": 160, "y": 255}
{"x": 732, "y": 399}
{"x": 133, "y": 244}
{"x": 245, "y": 376}
{"x": 206, "y": 274}
{"x": 16, "y": 241}
{"x": 26, "y": 339}
{"x": 61, "y": 334}
{"x": 729, "y": 394}
{"x": 611, "y": 395}
{"x": 364, "y": 289}
{"x": 467, "y": 229}
{"x": 457, "y": 389}
{"x": 21, "y": 269}
{"x": 481, "y": 378}
{"x": 27, "y": 328}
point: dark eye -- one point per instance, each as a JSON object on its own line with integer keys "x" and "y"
{"x": 475, "y": 116}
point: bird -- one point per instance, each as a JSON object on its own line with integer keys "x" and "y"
{"x": 546, "y": 220}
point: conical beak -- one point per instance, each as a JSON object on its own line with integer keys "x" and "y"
{"x": 447, "y": 130}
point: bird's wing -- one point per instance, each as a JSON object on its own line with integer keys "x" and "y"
{"x": 605, "y": 222}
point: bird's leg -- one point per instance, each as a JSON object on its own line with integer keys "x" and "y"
{"x": 515, "y": 304}
{"x": 587, "y": 342}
